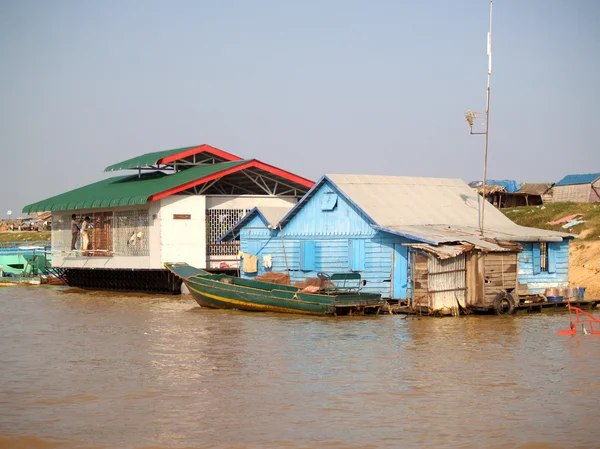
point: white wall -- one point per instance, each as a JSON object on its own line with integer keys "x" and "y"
{"x": 247, "y": 201}
{"x": 183, "y": 240}
{"x": 154, "y": 235}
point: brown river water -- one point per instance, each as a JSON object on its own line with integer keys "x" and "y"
{"x": 105, "y": 370}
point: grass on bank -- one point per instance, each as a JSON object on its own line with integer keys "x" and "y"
{"x": 539, "y": 216}
{"x": 24, "y": 236}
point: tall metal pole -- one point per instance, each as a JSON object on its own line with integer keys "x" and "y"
{"x": 487, "y": 118}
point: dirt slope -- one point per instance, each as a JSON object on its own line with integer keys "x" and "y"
{"x": 584, "y": 266}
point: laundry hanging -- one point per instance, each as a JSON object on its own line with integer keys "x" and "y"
{"x": 267, "y": 261}
{"x": 250, "y": 263}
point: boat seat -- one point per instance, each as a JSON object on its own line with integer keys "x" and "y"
{"x": 342, "y": 282}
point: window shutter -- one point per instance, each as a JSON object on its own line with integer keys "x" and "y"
{"x": 329, "y": 201}
{"x": 356, "y": 255}
{"x": 536, "y": 258}
{"x": 307, "y": 256}
{"x": 552, "y": 257}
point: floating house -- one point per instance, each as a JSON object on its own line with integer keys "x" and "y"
{"x": 174, "y": 207}
{"x": 577, "y": 189}
{"x": 414, "y": 239}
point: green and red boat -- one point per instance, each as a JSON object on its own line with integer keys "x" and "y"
{"x": 221, "y": 291}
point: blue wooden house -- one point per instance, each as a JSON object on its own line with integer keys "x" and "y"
{"x": 415, "y": 239}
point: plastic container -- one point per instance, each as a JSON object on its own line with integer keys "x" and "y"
{"x": 555, "y": 298}
{"x": 581, "y": 292}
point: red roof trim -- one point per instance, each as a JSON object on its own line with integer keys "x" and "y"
{"x": 204, "y": 180}
{"x": 253, "y": 163}
{"x": 200, "y": 149}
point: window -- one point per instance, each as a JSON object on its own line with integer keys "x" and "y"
{"x": 329, "y": 201}
{"x": 101, "y": 237}
{"x": 218, "y": 222}
{"x": 544, "y": 257}
{"x": 131, "y": 233}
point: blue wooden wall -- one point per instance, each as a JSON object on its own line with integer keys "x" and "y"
{"x": 557, "y": 273}
{"x": 330, "y": 235}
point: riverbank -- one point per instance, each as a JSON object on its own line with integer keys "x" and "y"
{"x": 24, "y": 236}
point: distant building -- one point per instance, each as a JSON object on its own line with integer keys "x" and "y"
{"x": 577, "y": 189}
{"x": 175, "y": 207}
{"x": 504, "y": 194}
{"x": 415, "y": 239}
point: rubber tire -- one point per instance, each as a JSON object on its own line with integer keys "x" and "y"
{"x": 500, "y": 301}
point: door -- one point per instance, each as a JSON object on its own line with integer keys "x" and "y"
{"x": 400, "y": 272}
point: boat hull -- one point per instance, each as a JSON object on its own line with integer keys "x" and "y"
{"x": 226, "y": 292}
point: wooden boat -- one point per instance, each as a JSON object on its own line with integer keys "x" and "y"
{"x": 227, "y": 292}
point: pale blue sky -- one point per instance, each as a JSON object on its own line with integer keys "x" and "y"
{"x": 313, "y": 87}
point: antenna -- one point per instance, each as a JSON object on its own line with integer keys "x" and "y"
{"x": 471, "y": 116}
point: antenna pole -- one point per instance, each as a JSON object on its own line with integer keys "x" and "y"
{"x": 487, "y": 117}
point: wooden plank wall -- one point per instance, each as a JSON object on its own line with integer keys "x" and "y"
{"x": 500, "y": 274}
{"x": 420, "y": 280}
{"x": 539, "y": 282}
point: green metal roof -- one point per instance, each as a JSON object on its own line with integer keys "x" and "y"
{"x": 145, "y": 160}
{"x": 152, "y": 159}
{"x": 126, "y": 190}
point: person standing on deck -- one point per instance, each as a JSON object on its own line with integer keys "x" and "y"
{"x": 85, "y": 237}
{"x": 74, "y": 231}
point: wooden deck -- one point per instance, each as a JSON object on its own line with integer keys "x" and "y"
{"x": 541, "y": 307}
{"x": 523, "y": 308}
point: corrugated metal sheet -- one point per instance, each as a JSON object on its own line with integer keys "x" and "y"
{"x": 445, "y": 234}
{"x": 442, "y": 251}
{"x": 578, "y": 179}
{"x": 534, "y": 189}
{"x": 447, "y": 284}
{"x": 125, "y": 190}
{"x": 432, "y": 209}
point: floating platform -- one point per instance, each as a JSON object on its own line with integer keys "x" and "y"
{"x": 562, "y": 306}
{"x": 121, "y": 279}
{"x": 522, "y": 308}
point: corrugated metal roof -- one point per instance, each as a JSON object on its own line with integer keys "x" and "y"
{"x": 445, "y": 234}
{"x": 434, "y": 210}
{"x": 443, "y": 251}
{"x": 152, "y": 159}
{"x": 578, "y": 179}
{"x": 270, "y": 216}
{"x": 534, "y": 189}
{"x": 125, "y": 190}
{"x": 274, "y": 214}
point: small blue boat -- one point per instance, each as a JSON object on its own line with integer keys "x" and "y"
{"x": 22, "y": 259}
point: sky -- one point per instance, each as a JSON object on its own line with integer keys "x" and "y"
{"x": 313, "y": 87}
